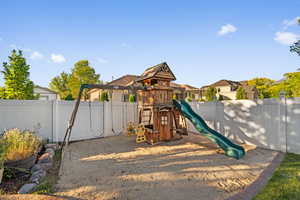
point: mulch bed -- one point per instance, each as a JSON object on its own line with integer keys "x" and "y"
{"x": 13, "y": 179}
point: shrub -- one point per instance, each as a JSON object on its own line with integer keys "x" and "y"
{"x": 189, "y": 99}
{"x": 20, "y": 145}
{"x": 104, "y": 96}
{"x": 131, "y": 98}
{"x": 3, "y": 151}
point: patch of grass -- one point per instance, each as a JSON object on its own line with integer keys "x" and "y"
{"x": 47, "y": 186}
{"x": 285, "y": 182}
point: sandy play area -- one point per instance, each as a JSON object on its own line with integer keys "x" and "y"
{"x": 191, "y": 168}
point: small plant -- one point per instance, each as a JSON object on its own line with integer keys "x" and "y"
{"x": 20, "y": 145}
{"x": 131, "y": 98}
{"x": 104, "y": 96}
{"x": 3, "y": 151}
{"x": 189, "y": 99}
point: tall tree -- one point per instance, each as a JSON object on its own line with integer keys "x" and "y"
{"x": 240, "y": 93}
{"x": 82, "y": 73}
{"x": 17, "y": 84}
{"x": 210, "y": 94}
{"x": 59, "y": 84}
{"x": 262, "y": 85}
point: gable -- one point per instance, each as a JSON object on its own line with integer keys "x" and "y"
{"x": 160, "y": 71}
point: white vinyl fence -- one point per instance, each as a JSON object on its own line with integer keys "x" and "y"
{"x": 270, "y": 123}
{"x": 50, "y": 118}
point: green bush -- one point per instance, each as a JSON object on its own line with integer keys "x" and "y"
{"x": 20, "y": 144}
{"x": 104, "y": 96}
{"x": 131, "y": 98}
{"x": 189, "y": 99}
{"x": 3, "y": 151}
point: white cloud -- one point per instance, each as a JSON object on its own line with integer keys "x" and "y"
{"x": 291, "y": 22}
{"x": 286, "y": 38}
{"x": 102, "y": 60}
{"x": 36, "y": 55}
{"x": 58, "y": 58}
{"x": 228, "y": 28}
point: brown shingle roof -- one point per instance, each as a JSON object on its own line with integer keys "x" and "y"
{"x": 224, "y": 83}
{"x": 152, "y": 71}
{"x": 183, "y": 86}
{"x": 124, "y": 80}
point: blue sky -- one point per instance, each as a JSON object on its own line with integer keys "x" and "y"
{"x": 202, "y": 41}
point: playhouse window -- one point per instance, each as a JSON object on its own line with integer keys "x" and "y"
{"x": 153, "y": 82}
{"x": 164, "y": 120}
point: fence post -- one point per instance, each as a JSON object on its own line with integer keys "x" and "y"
{"x": 53, "y": 119}
{"x": 283, "y": 122}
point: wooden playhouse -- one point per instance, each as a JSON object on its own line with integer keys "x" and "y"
{"x": 157, "y": 114}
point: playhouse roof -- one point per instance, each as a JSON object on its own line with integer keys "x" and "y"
{"x": 161, "y": 70}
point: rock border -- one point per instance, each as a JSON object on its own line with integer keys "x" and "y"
{"x": 39, "y": 170}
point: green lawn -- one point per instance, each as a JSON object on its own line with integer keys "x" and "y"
{"x": 285, "y": 182}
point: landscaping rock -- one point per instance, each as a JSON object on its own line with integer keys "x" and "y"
{"x": 50, "y": 151}
{"x": 27, "y": 188}
{"x": 35, "y": 168}
{"x": 52, "y": 146}
{"x": 45, "y": 158}
{"x": 37, "y": 176}
{"x": 46, "y": 166}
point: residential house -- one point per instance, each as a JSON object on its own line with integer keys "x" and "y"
{"x": 45, "y": 93}
{"x": 183, "y": 91}
{"x": 227, "y": 90}
{"x": 180, "y": 90}
{"x": 115, "y": 95}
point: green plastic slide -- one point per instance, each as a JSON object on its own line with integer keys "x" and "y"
{"x": 230, "y": 149}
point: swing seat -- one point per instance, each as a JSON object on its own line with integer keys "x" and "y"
{"x": 140, "y": 134}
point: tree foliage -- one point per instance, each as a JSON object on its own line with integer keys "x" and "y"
{"x": 240, "y": 93}
{"x": 104, "y": 96}
{"x": 291, "y": 85}
{"x": 210, "y": 93}
{"x": 17, "y": 84}
{"x": 262, "y": 85}
{"x": 68, "y": 85}
{"x": 59, "y": 84}
{"x": 82, "y": 73}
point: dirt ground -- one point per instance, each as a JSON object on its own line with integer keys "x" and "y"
{"x": 191, "y": 168}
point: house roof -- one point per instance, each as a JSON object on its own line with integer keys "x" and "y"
{"x": 225, "y": 83}
{"x": 46, "y": 89}
{"x": 124, "y": 80}
{"x": 161, "y": 70}
{"x": 183, "y": 86}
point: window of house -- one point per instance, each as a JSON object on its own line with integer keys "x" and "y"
{"x": 164, "y": 120}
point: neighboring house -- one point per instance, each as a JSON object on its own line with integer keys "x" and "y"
{"x": 180, "y": 90}
{"x": 117, "y": 95}
{"x": 183, "y": 91}
{"x": 45, "y": 93}
{"x": 228, "y": 89}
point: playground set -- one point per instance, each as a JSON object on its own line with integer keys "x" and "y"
{"x": 161, "y": 118}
